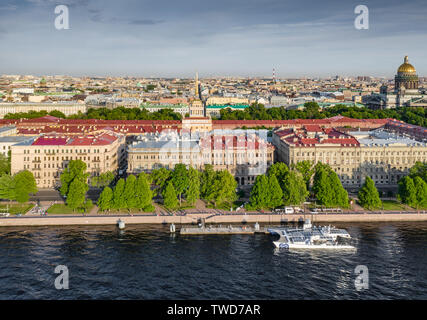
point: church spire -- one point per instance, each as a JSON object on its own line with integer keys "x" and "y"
{"x": 196, "y": 91}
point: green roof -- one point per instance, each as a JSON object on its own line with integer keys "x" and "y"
{"x": 237, "y": 106}
{"x": 171, "y": 106}
{"x": 56, "y": 93}
{"x": 328, "y": 104}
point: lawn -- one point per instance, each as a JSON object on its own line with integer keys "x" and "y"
{"x": 16, "y": 208}
{"x": 60, "y": 208}
{"x": 225, "y": 205}
{"x": 125, "y": 211}
{"x": 393, "y": 205}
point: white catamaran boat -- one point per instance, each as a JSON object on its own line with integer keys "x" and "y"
{"x": 311, "y": 237}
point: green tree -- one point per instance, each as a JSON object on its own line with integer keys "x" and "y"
{"x": 275, "y": 193}
{"x": 207, "y": 181}
{"x": 170, "y": 199}
{"x": 295, "y": 191}
{"x": 119, "y": 201}
{"x": 321, "y": 186}
{"x": 4, "y": 164}
{"x": 77, "y": 194}
{"x": 306, "y": 169}
{"x": 105, "y": 201}
{"x": 421, "y": 192}
{"x": 103, "y": 180}
{"x": 259, "y": 198}
{"x": 224, "y": 188}
{"x": 339, "y": 194}
{"x": 160, "y": 177}
{"x": 312, "y": 110}
{"x": 129, "y": 192}
{"x": 57, "y": 114}
{"x": 143, "y": 193}
{"x": 407, "y": 192}
{"x": 24, "y": 185}
{"x": 7, "y": 187}
{"x": 180, "y": 179}
{"x": 280, "y": 170}
{"x": 368, "y": 195}
{"x": 192, "y": 194}
{"x": 87, "y": 205}
{"x": 419, "y": 170}
{"x": 76, "y": 170}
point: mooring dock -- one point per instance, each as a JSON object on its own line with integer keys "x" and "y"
{"x": 221, "y": 230}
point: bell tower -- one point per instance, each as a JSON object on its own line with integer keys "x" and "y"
{"x": 196, "y": 106}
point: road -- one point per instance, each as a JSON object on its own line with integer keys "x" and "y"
{"x": 54, "y": 195}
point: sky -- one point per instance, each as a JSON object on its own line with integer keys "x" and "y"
{"x": 248, "y": 38}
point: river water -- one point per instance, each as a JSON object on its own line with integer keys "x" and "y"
{"x": 146, "y": 262}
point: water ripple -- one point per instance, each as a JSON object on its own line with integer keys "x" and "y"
{"x": 145, "y": 262}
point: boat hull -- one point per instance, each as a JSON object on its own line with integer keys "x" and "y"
{"x": 283, "y": 245}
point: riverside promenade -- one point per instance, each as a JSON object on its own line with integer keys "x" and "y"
{"x": 209, "y": 219}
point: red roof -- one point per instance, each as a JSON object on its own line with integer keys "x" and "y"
{"x": 231, "y": 142}
{"x": 50, "y": 141}
{"x": 88, "y": 140}
{"x": 301, "y": 138}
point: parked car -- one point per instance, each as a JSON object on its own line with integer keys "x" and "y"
{"x": 289, "y": 210}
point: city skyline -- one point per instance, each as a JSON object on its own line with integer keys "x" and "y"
{"x": 221, "y": 39}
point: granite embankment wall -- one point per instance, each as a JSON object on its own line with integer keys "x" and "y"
{"x": 219, "y": 219}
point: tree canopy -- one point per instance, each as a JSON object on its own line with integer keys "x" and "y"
{"x": 103, "y": 180}
{"x": 76, "y": 196}
{"x": 266, "y": 193}
{"x": 4, "y": 164}
{"x": 328, "y": 188}
{"x": 413, "y": 192}
{"x": 311, "y": 110}
{"x": 192, "y": 194}
{"x": 368, "y": 195}
{"x": 76, "y": 170}
{"x": 295, "y": 191}
{"x": 105, "y": 201}
{"x": 170, "y": 199}
{"x": 180, "y": 179}
{"x": 306, "y": 168}
{"x": 23, "y": 185}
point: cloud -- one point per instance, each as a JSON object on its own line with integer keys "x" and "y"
{"x": 145, "y": 22}
{"x": 70, "y": 3}
{"x": 8, "y": 7}
{"x": 100, "y": 17}
{"x": 221, "y": 36}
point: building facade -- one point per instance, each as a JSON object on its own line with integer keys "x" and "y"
{"x": 380, "y": 154}
{"x": 67, "y": 108}
{"x": 214, "y": 111}
{"x": 46, "y": 156}
{"x": 6, "y": 142}
{"x": 244, "y": 154}
{"x": 182, "y": 109}
{"x": 406, "y": 91}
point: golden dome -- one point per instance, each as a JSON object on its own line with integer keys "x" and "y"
{"x": 406, "y": 67}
